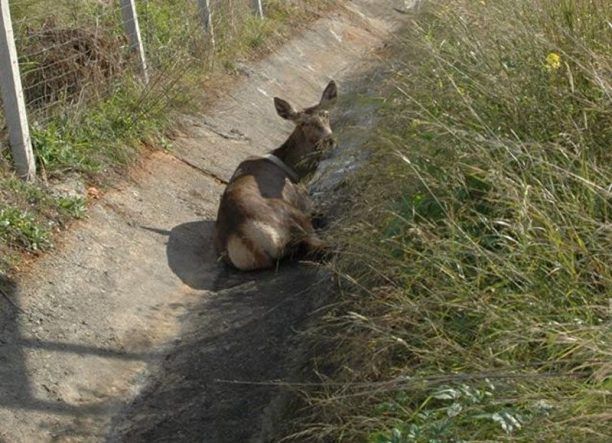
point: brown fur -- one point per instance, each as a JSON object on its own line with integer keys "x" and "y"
{"x": 264, "y": 215}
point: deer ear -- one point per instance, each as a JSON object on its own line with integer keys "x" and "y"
{"x": 329, "y": 95}
{"x": 284, "y": 109}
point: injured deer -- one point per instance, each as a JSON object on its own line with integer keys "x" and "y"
{"x": 265, "y": 214}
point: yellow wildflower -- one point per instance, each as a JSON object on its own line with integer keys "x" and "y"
{"x": 553, "y": 61}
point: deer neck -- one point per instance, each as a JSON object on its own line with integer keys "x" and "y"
{"x": 294, "y": 151}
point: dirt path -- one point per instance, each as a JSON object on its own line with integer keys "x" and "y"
{"x": 132, "y": 331}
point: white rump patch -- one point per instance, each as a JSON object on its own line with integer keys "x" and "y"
{"x": 268, "y": 241}
{"x": 239, "y": 254}
{"x": 267, "y": 237}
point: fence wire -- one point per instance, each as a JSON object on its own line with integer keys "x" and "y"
{"x": 69, "y": 53}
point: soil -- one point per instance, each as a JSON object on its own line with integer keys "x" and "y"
{"x": 132, "y": 331}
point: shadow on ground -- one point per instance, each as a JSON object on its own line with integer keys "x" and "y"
{"x": 14, "y": 372}
{"x": 209, "y": 387}
{"x": 192, "y": 258}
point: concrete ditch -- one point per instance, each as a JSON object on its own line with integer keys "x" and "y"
{"x": 131, "y": 331}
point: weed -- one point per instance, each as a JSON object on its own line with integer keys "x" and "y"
{"x": 21, "y": 228}
{"x": 73, "y": 207}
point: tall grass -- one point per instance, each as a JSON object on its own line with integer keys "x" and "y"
{"x": 476, "y": 261}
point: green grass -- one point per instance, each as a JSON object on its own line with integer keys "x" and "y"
{"x": 475, "y": 291}
{"x": 97, "y": 128}
{"x": 105, "y": 134}
{"x": 29, "y": 215}
{"x": 20, "y": 227}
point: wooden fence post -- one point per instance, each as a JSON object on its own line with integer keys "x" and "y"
{"x": 206, "y": 14}
{"x": 130, "y": 22}
{"x": 12, "y": 98}
{"x": 258, "y": 8}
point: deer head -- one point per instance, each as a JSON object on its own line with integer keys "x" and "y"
{"x": 312, "y": 133}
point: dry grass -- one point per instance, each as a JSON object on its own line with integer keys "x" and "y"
{"x": 476, "y": 289}
{"x": 60, "y": 64}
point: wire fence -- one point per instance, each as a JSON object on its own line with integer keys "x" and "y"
{"x": 70, "y": 53}
{"x": 67, "y": 55}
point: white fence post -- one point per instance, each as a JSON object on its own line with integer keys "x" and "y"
{"x": 12, "y": 98}
{"x": 258, "y": 8}
{"x": 206, "y": 14}
{"x": 130, "y": 21}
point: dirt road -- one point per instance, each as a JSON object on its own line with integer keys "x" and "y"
{"x": 131, "y": 331}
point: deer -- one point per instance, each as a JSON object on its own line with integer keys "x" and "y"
{"x": 265, "y": 212}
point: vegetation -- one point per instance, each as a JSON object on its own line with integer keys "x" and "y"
{"x": 28, "y": 217}
{"x": 90, "y": 115}
{"x": 476, "y": 289}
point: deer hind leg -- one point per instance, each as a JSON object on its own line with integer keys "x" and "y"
{"x": 315, "y": 248}
{"x": 306, "y": 240}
